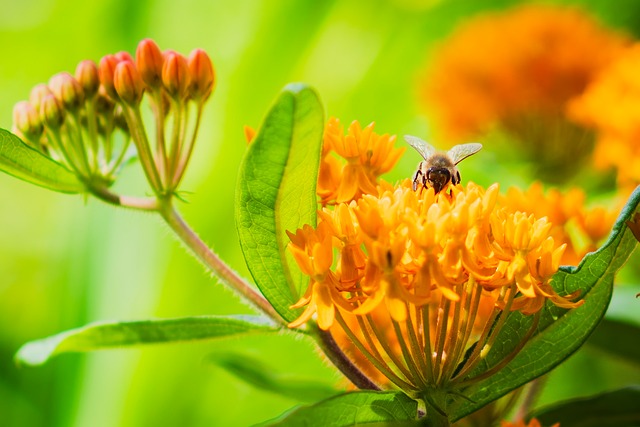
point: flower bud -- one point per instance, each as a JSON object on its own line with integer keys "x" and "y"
{"x": 105, "y": 71}
{"x": 51, "y": 112}
{"x": 123, "y": 56}
{"x": 26, "y": 120}
{"x": 175, "y": 75}
{"x": 87, "y": 76}
{"x": 67, "y": 90}
{"x": 37, "y": 94}
{"x": 202, "y": 75}
{"x": 128, "y": 83}
{"x": 149, "y": 60}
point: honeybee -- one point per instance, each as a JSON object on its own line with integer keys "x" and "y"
{"x": 439, "y": 168}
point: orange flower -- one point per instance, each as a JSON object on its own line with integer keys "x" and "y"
{"x": 427, "y": 263}
{"x": 580, "y": 228}
{"x": 611, "y": 105}
{"x": 541, "y": 56}
{"x": 368, "y": 156}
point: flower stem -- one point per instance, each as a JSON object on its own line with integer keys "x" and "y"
{"x": 331, "y": 349}
{"x": 213, "y": 262}
{"x": 436, "y": 417}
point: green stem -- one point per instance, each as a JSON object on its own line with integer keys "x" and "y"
{"x": 435, "y": 402}
{"x": 213, "y": 262}
{"x": 139, "y": 203}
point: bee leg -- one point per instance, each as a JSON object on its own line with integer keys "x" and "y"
{"x": 416, "y": 179}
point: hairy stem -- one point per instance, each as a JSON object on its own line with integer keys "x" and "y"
{"x": 213, "y": 262}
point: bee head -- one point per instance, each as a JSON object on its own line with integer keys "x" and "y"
{"x": 438, "y": 178}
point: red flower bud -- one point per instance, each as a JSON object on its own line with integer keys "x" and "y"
{"x": 149, "y": 60}
{"x": 175, "y": 75}
{"x": 26, "y": 120}
{"x": 123, "y": 56}
{"x": 51, "y": 112}
{"x": 87, "y": 76}
{"x": 105, "y": 71}
{"x": 202, "y": 75}
{"x": 127, "y": 83}
{"x": 67, "y": 90}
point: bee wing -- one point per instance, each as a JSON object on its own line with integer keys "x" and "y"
{"x": 425, "y": 149}
{"x": 460, "y": 152}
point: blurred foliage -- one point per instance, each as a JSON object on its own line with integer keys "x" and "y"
{"x": 66, "y": 261}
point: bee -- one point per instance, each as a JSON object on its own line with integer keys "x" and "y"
{"x": 438, "y": 168}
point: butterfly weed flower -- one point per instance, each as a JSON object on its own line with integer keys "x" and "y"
{"x": 367, "y": 155}
{"x": 580, "y": 227}
{"x": 542, "y": 57}
{"x": 416, "y": 285}
{"x": 610, "y": 107}
{"x": 424, "y": 265}
{"x": 87, "y": 122}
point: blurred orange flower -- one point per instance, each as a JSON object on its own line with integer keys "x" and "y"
{"x": 611, "y": 105}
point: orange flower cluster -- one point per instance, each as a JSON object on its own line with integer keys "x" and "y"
{"x": 86, "y": 121}
{"x": 367, "y": 154}
{"x": 581, "y": 229}
{"x": 540, "y": 57}
{"x": 400, "y": 246}
{"x": 430, "y": 263}
{"x": 611, "y": 105}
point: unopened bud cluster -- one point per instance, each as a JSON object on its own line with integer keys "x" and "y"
{"x": 86, "y": 121}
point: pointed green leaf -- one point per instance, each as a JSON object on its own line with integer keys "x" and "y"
{"x": 277, "y": 192}
{"x": 264, "y": 377}
{"x": 105, "y": 335}
{"x": 353, "y": 409}
{"x": 617, "y": 408}
{"x": 560, "y": 332}
{"x": 28, "y": 164}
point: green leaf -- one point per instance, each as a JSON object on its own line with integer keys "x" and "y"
{"x": 28, "y": 164}
{"x": 277, "y": 192}
{"x": 105, "y": 335}
{"x": 351, "y": 409}
{"x": 256, "y": 373}
{"x": 617, "y": 408}
{"x": 617, "y": 338}
{"x": 560, "y": 332}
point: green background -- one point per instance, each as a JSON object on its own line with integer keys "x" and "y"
{"x": 66, "y": 261}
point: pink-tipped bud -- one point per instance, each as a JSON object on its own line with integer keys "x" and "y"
{"x": 175, "y": 75}
{"x": 128, "y": 83}
{"x": 67, "y": 90}
{"x": 27, "y": 120}
{"x": 87, "y": 76}
{"x": 123, "y": 56}
{"x": 202, "y": 75}
{"x": 37, "y": 95}
{"x": 51, "y": 112}
{"x": 149, "y": 60}
{"x": 106, "y": 69}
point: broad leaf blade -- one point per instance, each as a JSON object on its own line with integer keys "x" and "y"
{"x": 617, "y": 338}
{"x": 560, "y": 332}
{"x": 277, "y": 192}
{"x": 353, "y": 409}
{"x": 23, "y": 162}
{"x": 256, "y": 373}
{"x": 105, "y": 335}
{"x": 617, "y": 408}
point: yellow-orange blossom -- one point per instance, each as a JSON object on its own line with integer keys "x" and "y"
{"x": 415, "y": 278}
